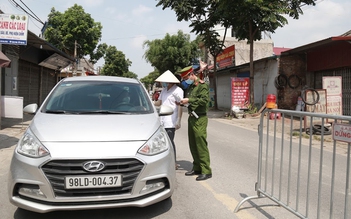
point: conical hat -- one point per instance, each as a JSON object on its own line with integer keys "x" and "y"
{"x": 168, "y": 77}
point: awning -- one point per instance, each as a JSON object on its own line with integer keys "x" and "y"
{"x": 55, "y": 61}
{"x": 4, "y": 61}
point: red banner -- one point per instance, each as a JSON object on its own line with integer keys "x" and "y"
{"x": 227, "y": 57}
{"x": 240, "y": 92}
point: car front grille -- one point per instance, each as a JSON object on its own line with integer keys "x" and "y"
{"x": 56, "y": 171}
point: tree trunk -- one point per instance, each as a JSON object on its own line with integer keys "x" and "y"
{"x": 252, "y": 84}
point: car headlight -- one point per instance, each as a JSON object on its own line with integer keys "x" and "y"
{"x": 30, "y": 146}
{"x": 158, "y": 143}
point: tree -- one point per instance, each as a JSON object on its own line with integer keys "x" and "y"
{"x": 173, "y": 52}
{"x": 203, "y": 16}
{"x": 149, "y": 80}
{"x": 74, "y": 25}
{"x": 130, "y": 74}
{"x": 116, "y": 63}
{"x": 248, "y": 18}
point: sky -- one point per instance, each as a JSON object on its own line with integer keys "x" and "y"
{"x": 127, "y": 24}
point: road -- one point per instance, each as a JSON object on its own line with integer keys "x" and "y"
{"x": 233, "y": 151}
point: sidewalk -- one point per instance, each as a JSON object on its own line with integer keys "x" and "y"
{"x": 249, "y": 122}
{"x": 12, "y": 129}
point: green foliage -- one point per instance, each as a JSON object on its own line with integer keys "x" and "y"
{"x": 116, "y": 63}
{"x": 173, "y": 52}
{"x": 251, "y": 109}
{"x": 248, "y": 18}
{"x": 74, "y": 25}
{"x": 149, "y": 80}
{"x": 99, "y": 52}
{"x": 130, "y": 75}
{"x": 204, "y": 16}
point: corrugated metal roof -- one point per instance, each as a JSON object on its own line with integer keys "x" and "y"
{"x": 311, "y": 46}
{"x": 278, "y": 50}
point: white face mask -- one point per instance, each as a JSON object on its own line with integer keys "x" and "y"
{"x": 164, "y": 84}
{"x": 189, "y": 81}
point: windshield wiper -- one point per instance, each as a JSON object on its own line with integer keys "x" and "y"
{"x": 103, "y": 112}
{"x": 85, "y": 112}
{"x": 63, "y": 111}
{"x": 56, "y": 111}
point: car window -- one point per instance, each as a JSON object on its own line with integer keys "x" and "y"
{"x": 97, "y": 96}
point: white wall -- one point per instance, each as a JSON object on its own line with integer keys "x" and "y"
{"x": 265, "y": 73}
{"x": 224, "y": 90}
{"x": 264, "y": 76}
{"x": 262, "y": 49}
{"x": 11, "y": 77}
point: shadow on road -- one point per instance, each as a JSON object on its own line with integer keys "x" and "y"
{"x": 16, "y": 124}
{"x": 184, "y": 165}
{"x": 12, "y": 129}
{"x": 129, "y": 212}
{"x": 7, "y": 141}
{"x": 259, "y": 207}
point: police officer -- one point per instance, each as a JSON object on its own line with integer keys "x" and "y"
{"x": 197, "y": 99}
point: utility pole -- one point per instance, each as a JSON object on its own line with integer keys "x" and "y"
{"x": 75, "y": 59}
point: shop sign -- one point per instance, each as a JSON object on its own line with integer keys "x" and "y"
{"x": 13, "y": 29}
{"x": 342, "y": 132}
{"x": 333, "y": 86}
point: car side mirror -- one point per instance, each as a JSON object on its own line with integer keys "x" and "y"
{"x": 31, "y": 108}
{"x": 165, "y": 110}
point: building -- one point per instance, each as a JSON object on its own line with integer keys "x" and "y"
{"x": 287, "y": 72}
{"x": 34, "y": 70}
{"x": 238, "y": 67}
{"x": 313, "y": 64}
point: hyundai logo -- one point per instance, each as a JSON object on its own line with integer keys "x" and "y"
{"x": 93, "y": 166}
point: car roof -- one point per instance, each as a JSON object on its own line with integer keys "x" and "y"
{"x": 102, "y": 78}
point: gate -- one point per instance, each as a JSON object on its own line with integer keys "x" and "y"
{"x": 304, "y": 163}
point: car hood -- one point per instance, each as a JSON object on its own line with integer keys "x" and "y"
{"x": 94, "y": 128}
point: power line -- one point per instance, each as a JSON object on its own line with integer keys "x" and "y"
{"x": 38, "y": 19}
{"x": 16, "y": 5}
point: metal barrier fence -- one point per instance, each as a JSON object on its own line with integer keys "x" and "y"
{"x": 304, "y": 163}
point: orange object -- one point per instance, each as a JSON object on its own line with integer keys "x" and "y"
{"x": 271, "y": 101}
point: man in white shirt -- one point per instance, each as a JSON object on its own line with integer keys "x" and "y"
{"x": 168, "y": 97}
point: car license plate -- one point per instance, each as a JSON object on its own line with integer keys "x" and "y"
{"x": 96, "y": 181}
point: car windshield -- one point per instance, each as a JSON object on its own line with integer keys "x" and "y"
{"x": 98, "y": 97}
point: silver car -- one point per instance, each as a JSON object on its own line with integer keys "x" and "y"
{"x": 95, "y": 142}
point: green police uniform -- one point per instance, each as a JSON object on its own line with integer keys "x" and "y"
{"x": 198, "y": 94}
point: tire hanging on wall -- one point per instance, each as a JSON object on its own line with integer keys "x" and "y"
{"x": 314, "y": 92}
{"x": 281, "y": 81}
{"x": 292, "y": 79}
